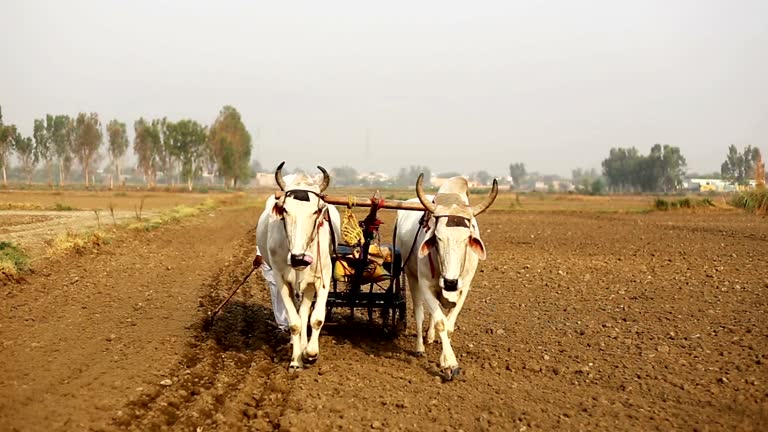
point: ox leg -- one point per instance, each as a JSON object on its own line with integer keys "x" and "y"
{"x": 448, "y": 363}
{"x": 418, "y": 314}
{"x": 294, "y": 325}
{"x": 431, "y": 330}
{"x": 306, "y": 304}
{"x": 312, "y": 351}
{"x": 454, "y": 313}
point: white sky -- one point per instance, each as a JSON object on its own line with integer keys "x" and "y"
{"x": 456, "y": 86}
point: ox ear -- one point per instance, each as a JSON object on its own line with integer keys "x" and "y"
{"x": 278, "y": 210}
{"x": 427, "y": 246}
{"x": 477, "y": 246}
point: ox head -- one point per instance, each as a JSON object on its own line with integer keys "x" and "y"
{"x": 454, "y": 232}
{"x": 303, "y": 211}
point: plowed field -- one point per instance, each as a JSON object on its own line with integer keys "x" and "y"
{"x": 576, "y": 321}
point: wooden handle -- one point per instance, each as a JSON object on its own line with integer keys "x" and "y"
{"x": 366, "y": 202}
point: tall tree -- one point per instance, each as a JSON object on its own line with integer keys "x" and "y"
{"x": 7, "y": 132}
{"x": 738, "y": 167}
{"x": 161, "y": 148}
{"x": 187, "y": 144}
{"x": 43, "y": 143}
{"x": 482, "y": 177}
{"x": 59, "y": 134}
{"x": 517, "y": 172}
{"x": 407, "y": 177}
{"x": 24, "y": 147}
{"x": 759, "y": 169}
{"x": 345, "y": 176}
{"x": 88, "y": 138}
{"x": 673, "y": 168}
{"x": 626, "y": 170}
{"x": 230, "y": 144}
{"x": 117, "y": 136}
{"x": 143, "y": 147}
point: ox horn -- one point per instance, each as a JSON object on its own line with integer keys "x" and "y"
{"x": 483, "y": 206}
{"x": 420, "y": 193}
{"x": 326, "y": 179}
{"x": 279, "y": 176}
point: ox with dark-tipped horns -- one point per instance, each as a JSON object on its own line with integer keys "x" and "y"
{"x": 443, "y": 248}
{"x": 296, "y": 235}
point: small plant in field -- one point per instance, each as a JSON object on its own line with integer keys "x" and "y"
{"x": 139, "y": 209}
{"x": 63, "y": 207}
{"x": 112, "y": 212}
{"x": 98, "y": 219}
{"x": 661, "y": 204}
{"x": 12, "y": 259}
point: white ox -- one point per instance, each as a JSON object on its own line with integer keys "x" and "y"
{"x": 294, "y": 235}
{"x": 442, "y": 249}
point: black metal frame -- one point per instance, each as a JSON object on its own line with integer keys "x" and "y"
{"x": 388, "y": 296}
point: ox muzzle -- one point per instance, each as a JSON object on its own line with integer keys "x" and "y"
{"x": 300, "y": 261}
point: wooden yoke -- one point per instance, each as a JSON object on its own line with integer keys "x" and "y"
{"x": 366, "y": 202}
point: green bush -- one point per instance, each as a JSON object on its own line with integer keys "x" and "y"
{"x": 12, "y": 258}
{"x": 755, "y": 200}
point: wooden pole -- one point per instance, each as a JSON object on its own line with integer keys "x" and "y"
{"x": 367, "y": 202}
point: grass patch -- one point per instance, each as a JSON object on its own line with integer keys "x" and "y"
{"x": 74, "y": 242}
{"x": 173, "y": 215}
{"x": 682, "y": 203}
{"x": 62, "y": 207}
{"x": 20, "y": 206}
{"x": 755, "y": 200}
{"x": 13, "y": 259}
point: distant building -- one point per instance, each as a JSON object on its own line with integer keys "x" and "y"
{"x": 709, "y": 185}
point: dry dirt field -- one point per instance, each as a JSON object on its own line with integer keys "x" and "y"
{"x": 578, "y": 320}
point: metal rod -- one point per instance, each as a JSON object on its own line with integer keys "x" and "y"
{"x": 213, "y": 315}
{"x": 367, "y": 202}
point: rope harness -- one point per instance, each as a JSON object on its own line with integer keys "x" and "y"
{"x": 451, "y": 221}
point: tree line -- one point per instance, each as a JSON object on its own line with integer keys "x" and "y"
{"x": 663, "y": 169}
{"x": 182, "y": 150}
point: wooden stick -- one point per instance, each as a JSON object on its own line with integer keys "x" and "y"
{"x": 366, "y": 202}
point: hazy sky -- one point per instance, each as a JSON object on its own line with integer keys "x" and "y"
{"x": 458, "y": 86}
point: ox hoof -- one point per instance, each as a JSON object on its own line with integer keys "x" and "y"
{"x": 450, "y": 373}
{"x": 419, "y": 354}
{"x": 293, "y": 368}
{"x": 308, "y": 360}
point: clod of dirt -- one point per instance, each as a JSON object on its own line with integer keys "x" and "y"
{"x": 166, "y": 382}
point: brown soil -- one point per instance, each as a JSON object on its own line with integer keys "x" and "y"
{"x": 577, "y": 321}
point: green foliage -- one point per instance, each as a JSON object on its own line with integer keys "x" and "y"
{"x": 142, "y": 146}
{"x": 344, "y": 176}
{"x": 63, "y": 207}
{"x": 24, "y": 148}
{"x": 597, "y": 187}
{"x": 682, "y": 203}
{"x": 86, "y": 143}
{"x": 407, "y": 176}
{"x": 13, "y": 259}
{"x": 187, "y": 139}
{"x": 755, "y": 200}
{"x": 517, "y": 172}
{"x": 117, "y": 143}
{"x": 230, "y": 146}
{"x": 626, "y": 170}
{"x": 740, "y": 167}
